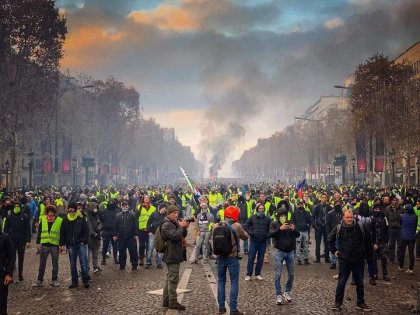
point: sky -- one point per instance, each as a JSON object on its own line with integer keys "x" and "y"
{"x": 224, "y": 73}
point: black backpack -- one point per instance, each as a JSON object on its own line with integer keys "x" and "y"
{"x": 222, "y": 239}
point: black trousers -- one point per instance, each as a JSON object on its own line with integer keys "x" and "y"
{"x": 19, "y": 247}
{"x": 4, "y": 291}
{"x": 130, "y": 244}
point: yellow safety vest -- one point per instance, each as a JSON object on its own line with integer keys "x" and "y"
{"x": 221, "y": 214}
{"x": 144, "y": 216}
{"x": 52, "y": 237}
{"x": 249, "y": 207}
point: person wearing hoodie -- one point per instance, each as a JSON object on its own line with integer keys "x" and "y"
{"x": 205, "y": 220}
{"x": 352, "y": 240}
{"x": 107, "y": 217}
{"x": 125, "y": 231}
{"x": 74, "y": 235}
{"x": 408, "y": 237}
{"x": 258, "y": 229}
{"x": 380, "y": 238}
{"x": 284, "y": 236}
{"x": 302, "y": 220}
{"x": 230, "y": 262}
{"x": 17, "y": 225}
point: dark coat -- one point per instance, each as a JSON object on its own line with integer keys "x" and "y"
{"x": 380, "y": 231}
{"x": 74, "y": 232}
{"x": 155, "y": 219}
{"x": 283, "y": 240}
{"x": 107, "y": 217}
{"x": 18, "y": 227}
{"x": 125, "y": 225}
{"x": 7, "y": 256}
{"x": 319, "y": 215}
{"x": 95, "y": 231}
{"x": 173, "y": 234}
{"x": 333, "y": 218}
{"x": 258, "y": 228}
{"x": 301, "y": 219}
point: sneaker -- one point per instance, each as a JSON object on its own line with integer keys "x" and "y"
{"x": 222, "y": 310}
{"x": 385, "y": 278}
{"x": 409, "y": 271}
{"x": 316, "y": 261}
{"x": 116, "y": 262}
{"x": 364, "y": 307}
{"x": 237, "y": 312}
{"x": 299, "y": 262}
{"x": 97, "y": 269}
{"x": 122, "y": 267}
{"x": 37, "y": 284}
{"x": 336, "y": 306}
{"x": 333, "y": 266}
{"x": 279, "y": 300}
{"x": 134, "y": 267}
{"x": 55, "y": 283}
{"x": 148, "y": 266}
{"x": 259, "y": 277}
{"x": 306, "y": 261}
{"x": 20, "y": 278}
{"x": 287, "y": 296}
{"x": 245, "y": 252}
{"x": 400, "y": 268}
{"x": 159, "y": 267}
{"x": 86, "y": 285}
{"x": 247, "y": 278}
{"x": 372, "y": 281}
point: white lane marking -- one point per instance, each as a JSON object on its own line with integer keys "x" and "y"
{"x": 213, "y": 284}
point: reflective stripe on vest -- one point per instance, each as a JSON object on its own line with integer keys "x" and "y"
{"x": 144, "y": 216}
{"x": 52, "y": 237}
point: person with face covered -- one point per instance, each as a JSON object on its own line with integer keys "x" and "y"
{"x": 153, "y": 224}
{"x": 107, "y": 217}
{"x": 284, "y": 236}
{"x": 204, "y": 222}
{"x": 95, "y": 234}
{"x": 48, "y": 241}
{"x": 258, "y": 229}
{"x": 302, "y": 220}
{"x": 125, "y": 231}
{"x": 74, "y": 235}
{"x": 380, "y": 238}
{"x": 334, "y": 217}
{"x": 17, "y": 225}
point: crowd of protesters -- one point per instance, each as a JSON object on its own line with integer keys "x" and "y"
{"x": 355, "y": 226}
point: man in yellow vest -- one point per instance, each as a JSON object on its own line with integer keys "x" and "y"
{"x": 145, "y": 210}
{"x": 60, "y": 204}
{"x": 48, "y": 241}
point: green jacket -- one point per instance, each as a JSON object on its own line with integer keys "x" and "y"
{"x": 173, "y": 235}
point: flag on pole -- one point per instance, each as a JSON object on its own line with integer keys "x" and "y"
{"x": 299, "y": 188}
{"x": 190, "y": 183}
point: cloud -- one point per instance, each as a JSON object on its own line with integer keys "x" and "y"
{"x": 234, "y": 62}
{"x": 333, "y": 23}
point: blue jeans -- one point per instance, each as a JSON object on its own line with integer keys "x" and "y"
{"x": 223, "y": 264}
{"x": 246, "y": 246}
{"x": 150, "y": 248}
{"x": 81, "y": 251}
{"x": 302, "y": 242}
{"x": 288, "y": 257}
{"x": 254, "y": 249}
{"x": 344, "y": 270}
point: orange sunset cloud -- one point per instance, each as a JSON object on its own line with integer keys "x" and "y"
{"x": 167, "y": 17}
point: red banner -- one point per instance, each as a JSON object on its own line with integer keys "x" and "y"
{"x": 361, "y": 155}
{"x": 66, "y": 155}
{"x": 47, "y": 163}
{"x": 379, "y": 154}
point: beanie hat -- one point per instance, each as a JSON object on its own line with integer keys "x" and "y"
{"x": 232, "y": 212}
{"x": 72, "y": 205}
{"x": 162, "y": 205}
{"x": 171, "y": 209}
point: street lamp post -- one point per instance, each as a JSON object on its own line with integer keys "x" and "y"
{"x": 353, "y": 167}
{"x": 74, "y": 165}
{"x": 392, "y": 156}
{"x": 31, "y": 165}
{"x": 418, "y": 170}
{"x": 7, "y": 175}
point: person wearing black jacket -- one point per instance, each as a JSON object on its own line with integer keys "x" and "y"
{"x": 107, "y": 217}
{"x": 284, "y": 236}
{"x": 380, "y": 238}
{"x": 334, "y": 217}
{"x": 351, "y": 250}
{"x": 95, "y": 234}
{"x": 258, "y": 229}
{"x": 74, "y": 235}
{"x": 302, "y": 221}
{"x": 7, "y": 263}
{"x": 319, "y": 222}
{"x": 155, "y": 219}
{"x": 125, "y": 229}
{"x": 17, "y": 225}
